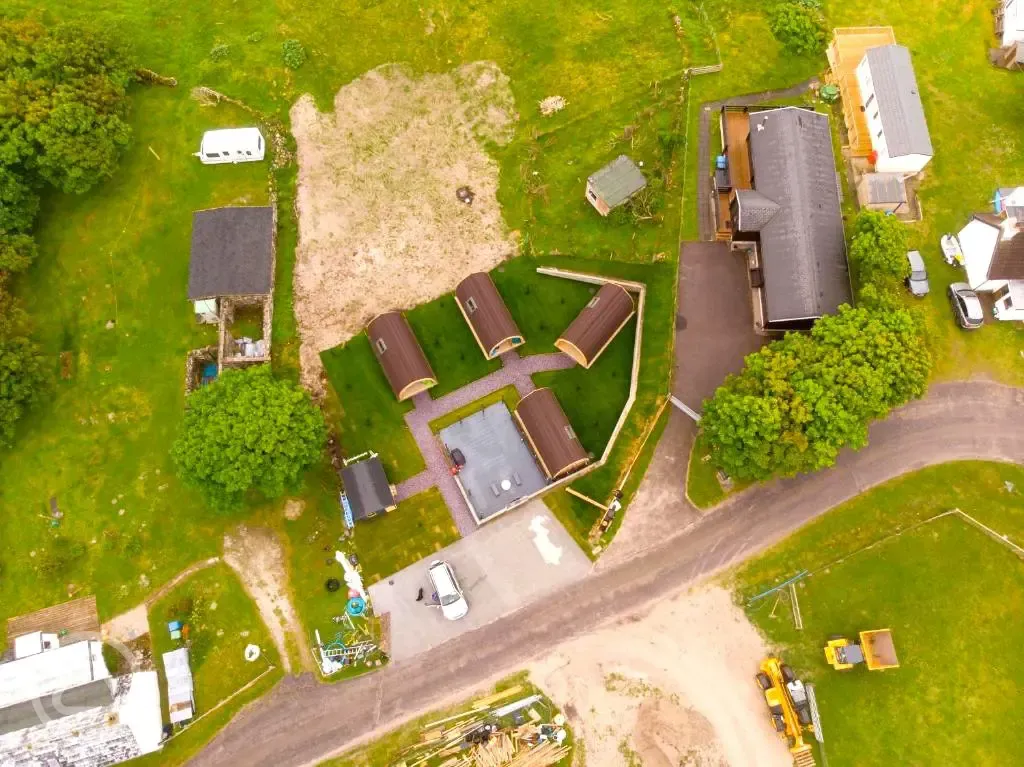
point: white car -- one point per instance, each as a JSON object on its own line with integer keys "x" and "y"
{"x": 446, "y": 587}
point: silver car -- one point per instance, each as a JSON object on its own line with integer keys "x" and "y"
{"x": 917, "y": 282}
{"x": 966, "y": 306}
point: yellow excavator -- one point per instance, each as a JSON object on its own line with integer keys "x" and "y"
{"x": 788, "y": 707}
{"x": 875, "y": 649}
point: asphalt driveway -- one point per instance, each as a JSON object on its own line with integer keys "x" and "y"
{"x": 715, "y": 324}
{"x": 505, "y": 565}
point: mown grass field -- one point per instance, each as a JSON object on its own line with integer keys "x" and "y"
{"x": 949, "y": 593}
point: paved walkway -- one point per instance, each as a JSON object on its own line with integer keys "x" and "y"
{"x": 515, "y": 371}
{"x": 705, "y": 214}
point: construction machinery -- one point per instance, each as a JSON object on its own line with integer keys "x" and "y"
{"x": 788, "y": 707}
{"x": 875, "y": 649}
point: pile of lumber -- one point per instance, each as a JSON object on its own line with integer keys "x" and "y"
{"x": 477, "y": 738}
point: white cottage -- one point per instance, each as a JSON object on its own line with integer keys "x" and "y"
{"x": 993, "y": 248}
{"x": 1010, "y": 21}
{"x": 892, "y": 107}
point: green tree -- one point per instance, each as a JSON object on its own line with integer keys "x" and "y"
{"x": 17, "y": 251}
{"x": 247, "y": 431}
{"x": 800, "y": 400}
{"x": 23, "y": 376}
{"x": 800, "y": 27}
{"x": 19, "y": 202}
{"x": 878, "y": 247}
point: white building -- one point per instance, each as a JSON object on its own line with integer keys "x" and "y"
{"x": 180, "y": 690}
{"x": 1010, "y": 21}
{"x": 232, "y": 145}
{"x": 993, "y": 248}
{"x": 892, "y": 107}
{"x": 61, "y": 706}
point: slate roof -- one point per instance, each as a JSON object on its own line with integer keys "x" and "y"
{"x": 367, "y": 488}
{"x": 232, "y": 252}
{"x": 899, "y": 102}
{"x": 617, "y": 181}
{"x": 755, "y": 210}
{"x": 803, "y": 251}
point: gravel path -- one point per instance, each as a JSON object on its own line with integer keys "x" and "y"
{"x": 515, "y": 371}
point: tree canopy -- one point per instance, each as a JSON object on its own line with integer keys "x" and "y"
{"x": 22, "y": 373}
{"x": 799, "y": 26}
{"x": 247, "y": 431}
{"x": 800, "y": 400}
{"x": 878, "y": 247}
{"x": 64, "y": 93}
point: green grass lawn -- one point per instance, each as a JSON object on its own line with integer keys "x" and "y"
{"x": 949, "y": 593}
{"x": 449, "y": 345}
{"x": 386, "y": 749}
{"x": 593, "y": 399}
{"x": 222, "y": 620}
{"x": 371, "y": 418}
{"x": 100, "y": 443}
{"x": 506, "y": 394}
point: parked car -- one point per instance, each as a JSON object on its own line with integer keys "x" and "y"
{"x": 446, "y": 587}
{"x": 966, "y": 306}
{"x": 917, "y": 282}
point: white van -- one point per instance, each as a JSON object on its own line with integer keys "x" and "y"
{"x": 232, "y": 145}
{"x": 449, "y": 595}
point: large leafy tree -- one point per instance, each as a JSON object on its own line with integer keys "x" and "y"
{"x": 64, "y": 97}
{"x": 878, "y": 247}
{"x": 800, "y": 400}
{"x": 22, "y": 371}
{"x": 247, "y": 431}
{"x": 799, "y": 26}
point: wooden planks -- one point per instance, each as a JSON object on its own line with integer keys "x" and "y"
{"x": 77, "y": 617}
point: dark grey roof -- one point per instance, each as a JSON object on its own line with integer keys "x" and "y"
{"x": 803, "y": 252}
{"x": 885, "y": 187}
{"x": 367, "y": 488}
{"x": 755, "y": 210}
{"x": 232, "y": 252}
{"x": 617, "y": 181}
{"x": 899, "y": 103}
{"x": 31, "y": 713}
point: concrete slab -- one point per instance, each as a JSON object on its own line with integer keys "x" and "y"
{"x": 499, "y": 467}
{"x": 505, "y": 565}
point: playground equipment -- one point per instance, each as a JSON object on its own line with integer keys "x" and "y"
{"x": 788, "y": 706}
{"x": 875, "y": 649}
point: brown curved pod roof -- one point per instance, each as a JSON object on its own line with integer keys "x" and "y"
{"x": 599, "y": 322}
{"x": 400, "y": 355}
{"x": 486, "y": 314}
{"x": 550, "y": 434}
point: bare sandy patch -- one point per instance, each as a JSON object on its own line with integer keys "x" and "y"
{"x": 258, "y": 559}
{"x": 380, "y": 226}
{"x": 674, "y": 687}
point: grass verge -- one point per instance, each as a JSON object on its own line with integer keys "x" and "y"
{"x": 506, "y": 394}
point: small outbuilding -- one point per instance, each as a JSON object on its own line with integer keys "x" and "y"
{"x": 597, "y": 324}
{"x": 367, "y": 491}
{"x": 231, "y": 145}
{"x": 399, "y": 353}
{"x": 488, "y": 318}
{"x": 550, "y": 435}
{"x": 181, "y": 703}
{"x": 886, "y": 192}
{"x": 615, "y": 184}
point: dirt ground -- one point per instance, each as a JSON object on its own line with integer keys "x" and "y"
{"x": 671, "y": 687}
{"x": 258, "y": 559}
{"x": 380, "y": 226}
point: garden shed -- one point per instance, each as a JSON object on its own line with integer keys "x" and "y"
{"x": 400, "y": 355}
{"x": 886, "y": 192}
{"x": 597, "y": 324}
{"x": 367, "y": 491}
{"x": 551, "y": 436}
{"x": 488, "y": 318}
{"x": 614, "y": 184}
